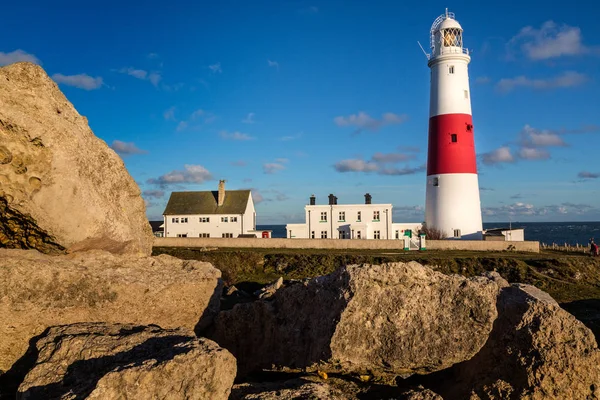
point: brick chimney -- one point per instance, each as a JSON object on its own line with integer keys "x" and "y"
{"x": 367, "y": 198}
{"x": 221, "y": 198}
{"x": 331, "y": 199}
{"x": 313, "y": 200}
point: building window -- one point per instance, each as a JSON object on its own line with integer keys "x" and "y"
{"x": 453, "y": 137}
{"x": 182, "y": 235}
{"x": 204, "y": 219}
{"x": 204, "y": 235}
{"x": 376, "y": 234}
{"x": 233, "y": 219}
{"x": 375, "y": 215}
{"x": 224, "y": 219}
{"x": 457, "y": 233}
{"x": 227, "y": 235}
{"x": 397, "y": 235}
{"x": 466, "y": 94}
{"x": 312, "y": 235}
{"x": 436, "y": 181}
{"x": 324, "y": 217}
{"x": 358, "y": 235}
{"x": 323, "y": 234}
{"x": 469, "y": 127}
{"x": 451, "y": 69}
{"x": 184, "y": 220}
{"x": 358, "y": 216}
{"x": 342, "y": 216}
{"x": 175, "y": 220}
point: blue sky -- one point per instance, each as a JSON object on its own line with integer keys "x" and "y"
{"x": 291, "y": 98}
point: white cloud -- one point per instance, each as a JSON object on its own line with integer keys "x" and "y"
{"x": 588, "y": 175}
{"x": 355, "y": 165}
{"x": 136, "y": 73}
{"x": 153, "y": 194}
{"x": 500, "y": 155}
{"x": 529, "y": 153}
{"x": 532, "y": 137}
{"x": 81, "y": 81}
{"x": 216, "y": 68}
{"x": 239, "y": 136}
{"x": 249, "y": 119}
{"x": 169, "y": 114}
{"x": 126, "y": 148}
{"x": 257, "y": 197}
{"x": 152, "y": 56}
{"x": 273, "y": 64}
{"x": 271, "y": 168}
{"x": 282, "y": 160}
{"x": 154, "y": 78}
{"x": 239, "y": 163}
{"x": 363, "y": 121}
{"x": 551, "y": 41}
{"x": 401, "y": 171}
{"x": 181, "y": 126}
{"x": 482, "y": 80}
{"x": 291, "y": 137}
{"x": 392, "y": 157}
{"x": 190, "y": 174}
{"x": 566, "y": 80}
{"x": 17, "y": 56}
{"x": 198, "y": 113}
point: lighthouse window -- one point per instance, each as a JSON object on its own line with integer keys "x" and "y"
{"x": 457, "y": 233}
{"x": 451, "y": 69}
{"x": 436, "y": 182}
{"x": 466, "y": 94}
{"x": 454, "y": 138}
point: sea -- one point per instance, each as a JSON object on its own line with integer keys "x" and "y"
{"x": 571, "y": 233}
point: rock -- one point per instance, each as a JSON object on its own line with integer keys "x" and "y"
{"x": 270, "y": 289}
{"x": 535, "y": 351}
{"x": 115, "y": 361}
{"x": 288, "y": 390}
{"x": 391, "y": 319}
{"x": 60, "y": 186}
{"x": 420, "y": 394}
{"x": 37, "y": 291}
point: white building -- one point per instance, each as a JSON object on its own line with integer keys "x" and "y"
{"x": 221, "y": 214}
{"x": 505, "y": 234}
{"x": 350, "y": 221}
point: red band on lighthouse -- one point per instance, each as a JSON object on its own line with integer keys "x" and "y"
{"x": 451, "y": 147}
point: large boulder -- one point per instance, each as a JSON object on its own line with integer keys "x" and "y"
{"x": 384, "y": 320}
{"x": 114, "y": 361}
{"x": 61, "y": 186}
{"x": 535, "y": 351}
{"x": 37, "y": 291}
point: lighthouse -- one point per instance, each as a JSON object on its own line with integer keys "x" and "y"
{"x": 452, "y": 194}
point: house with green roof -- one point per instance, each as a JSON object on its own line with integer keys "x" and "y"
{"x": 221, "y": 214}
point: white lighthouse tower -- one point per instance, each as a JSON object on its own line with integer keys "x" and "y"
{"x": 452, "y": 195}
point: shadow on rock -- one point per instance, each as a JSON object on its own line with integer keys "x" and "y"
{"x": 588, "y": 312}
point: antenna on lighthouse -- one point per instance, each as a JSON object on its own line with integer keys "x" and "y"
{"x": 446, "y": 12}
{"x": 424, "y": 52}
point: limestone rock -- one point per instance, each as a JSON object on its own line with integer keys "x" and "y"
{"x": 391, "y": 319}
{"x": 288, "y": 390}
{"x": 115, "y": 361}
{"x": 61, "y": 186}
{"x": 535, "y": 351}
{"x": 37, "y": 291}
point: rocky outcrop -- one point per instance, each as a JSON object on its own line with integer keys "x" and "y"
{"x": 114, "y": 361}
{"x": 60, "y": 186}
{"x": 37, "y": 291}
{"x": 535, "y": 351}
{"x": 292, "y": 389}
{"x": 391, "y": 319}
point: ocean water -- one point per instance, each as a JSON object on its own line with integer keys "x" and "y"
{"x": 543, "y": 232}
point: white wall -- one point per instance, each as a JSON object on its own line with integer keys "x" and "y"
{"x": 249, "y": 216}
{"x": 350, "y": 225}
{"x": 454, "y": 204}
{"x": 447, "y": 94}
{"x": 514, "y": 235}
